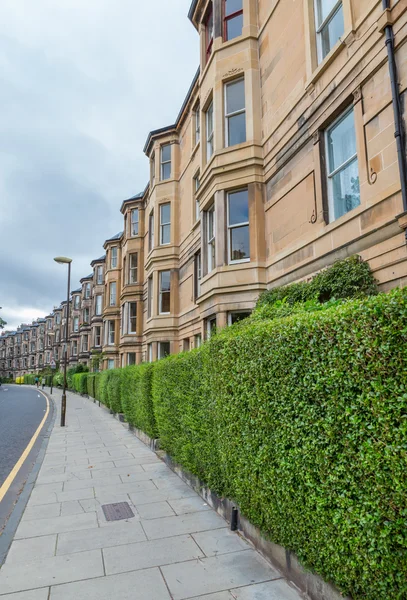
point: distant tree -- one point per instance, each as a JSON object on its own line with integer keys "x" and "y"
{"x": 2, "y": 323}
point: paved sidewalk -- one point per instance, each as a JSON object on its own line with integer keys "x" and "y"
{"x": 175, "y": 546}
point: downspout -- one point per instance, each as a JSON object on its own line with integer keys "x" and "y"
{"x": 398, "y": 120}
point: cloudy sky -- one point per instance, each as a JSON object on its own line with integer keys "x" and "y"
{"x": 82, "y": 83}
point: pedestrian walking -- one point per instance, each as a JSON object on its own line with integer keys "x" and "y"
{"x": 37, "y": 382}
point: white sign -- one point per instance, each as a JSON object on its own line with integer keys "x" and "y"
{"x": 53, "y": 364}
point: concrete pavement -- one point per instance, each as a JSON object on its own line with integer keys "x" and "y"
{"x": 175, "y": 546}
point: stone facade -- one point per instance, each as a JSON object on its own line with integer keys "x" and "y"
{"x": 282, "y": 160}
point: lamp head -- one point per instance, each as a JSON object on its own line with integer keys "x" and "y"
{"x": 63, "y": 260}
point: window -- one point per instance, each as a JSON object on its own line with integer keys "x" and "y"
{"x": 97, "y": 336}
{"x": 110, "y": 363}
{"x": 49, "y": 326}
{"x": 186, "y": 345}
{"x": 98, "y": 305}
{"x": 197, "y": 124}
{"x": 57, "y": 334}
{"x": 132, "y": 316}
{"x": 58, "y": 319}
{"x": 163, "y": 349}
{"x": 86, "y": 315}
{"x": 238, "y": 226}
{"x": 342, "y": 166}
{"x": 110, "y": 333}
{"x": 47, "y": 357}
{"x": 76, "y": 302}
{"x": 131, "y": 358}
{"x": 99, "y": 275}
{"x": 165, "y": 223}
{"x": 150, "y": 297}
{"x": 76, "y": 324}
{"x": 133, "y": 259}
{"x": 165, "y": 172}
{"x": 209, "y": 131}
{"x": 84, "y": 343}
{"x": 197, "y": 340}
{"x": 56, "y": 354}
{"x": 152, "y": 170}
{"x": 150, "y": 353}
{"x": 197, "y": 183}
{"x": 151, "y": 231}
{"x": 210, "y": 233}
{"x": 87, "y": 291}
{"x": 197, "y": 275}
{"x": 113, "y": 258}
{"x": 235, "y": 113}
{"x": 112, "y": 294}
{"x": 232, "y": 19}
{"x": 329, "y": 25}
{"x": 210, "y": 326}
{"x": 234, "y": 317}
{"x": 74, "y": 348}
{"x": 165, "y": 292}
{"x": 134, "y": 221}
{"x": 209, "y": 32}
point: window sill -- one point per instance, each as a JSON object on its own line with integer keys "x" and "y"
{"x": 195, "y": 148}
{"x": 196, "y": 224}
{"x": 329, "y": 58}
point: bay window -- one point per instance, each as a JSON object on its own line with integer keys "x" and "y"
{"x": 112, "y": 294}
{"x": 150, "y": 297}
{"x": 165, "y": 292}
{"x": 99, "y": 276}
{"x": 209, "y": 32}
{"x": 165, "y": 223}
{"x": 113, "y": 257}
{"x": 197, "y": 124}
{"x": 87, "y": 291}
{"x": 76, "y": 324}
{"x": 151, "y": 231}
{"x": 163, "y": 349}
{"x": 134, "y": 221}
{"x": 232, "y": 19}
{"x": 110, "y": 333}
{"x": 209, "y": 131}
{"x": 197, "y": 183}
{"x": 165, "y": 171}
{"x": 329, "y": 25}
{"x": 98, "y": 305}
{"x": 210, "y": 238}
{"x": 132, "y": 317}
{"x": 197, "y": 275}
{"x": 235, "y": 113}
{"x": 98, "y": 336}
{"x": 238, "y": 226}
{"x": 342, "y": 166}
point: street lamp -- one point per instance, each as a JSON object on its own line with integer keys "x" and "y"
{"x": 63, "y": 260}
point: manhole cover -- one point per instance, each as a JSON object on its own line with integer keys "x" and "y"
{"x": 117, "y": 511}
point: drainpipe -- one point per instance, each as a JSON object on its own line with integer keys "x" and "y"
{"x": 398, "y": 121}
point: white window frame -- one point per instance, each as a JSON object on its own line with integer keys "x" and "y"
{"x": 319, "y": 27}
{"x": 209, "y": 133}
{"x": 165, "y": 162}
{"x": 150, "y": 353}
{"x": 99, "y": 275}
{"x": 151, "y": 231}
{"x": 77, "y": 302}
{"x": 197, "y": 340}
{"x": 75, "y": 348}
{"x": 236, "y": 312}
{"x": 161, "y": 292}
{"x": 86, "y": 315}
{"x": 210, "y": 240}
{"x": 97, "y": 345}
{"x": 129, "y": 318}
{"x": 236, "y": 112}
{"x": 236, "y": 226}
{"x": 164, "y": 224}
{"x": 112, "y": 297}
{"x": 113, "y": 257}
{"x": 110, "y": 364}
{"x": 209, "y": 321}
{"x": 76, "y": 324}
{"x": 98, "y": 309}
{"x": 150, "y": 289}
{"x": 85, "y": 347}
{"x": 87, "y": 290}
{"x": 197, "y": 185}
{"x": 197, "y": 124}
{"x": 134, "y": 222}
{"x": 129, "y": 364}
{"x": 160, "y": 344}
{"x": 111, "y": 330}
{"x": 133, "y": 270}
{"x": 346, "y": 163}
{"x": 152, "y": 167}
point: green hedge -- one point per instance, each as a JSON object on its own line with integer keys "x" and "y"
{"x": 79, "y": 383}
{"x": 302, "y": 421}
{"x": 91, "y": 380}
{"x": 137, "y": 403}
{"x": 113, "y": 387}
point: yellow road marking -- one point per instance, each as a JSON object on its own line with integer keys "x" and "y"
{"x": 6, "y": 485}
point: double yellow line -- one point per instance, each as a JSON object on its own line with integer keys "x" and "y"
{"x": 6, "y": 485}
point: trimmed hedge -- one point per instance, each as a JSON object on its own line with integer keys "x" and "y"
{"x": 79, "y": 383}
{"x": 113, "y": 388}
{"x": 137, "y": 402}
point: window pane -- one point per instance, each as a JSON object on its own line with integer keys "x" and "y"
{"x": 165, "y": 302}
{"x": 165, "y": 234}
{"x": 166, "y": 171}
{"x": 238, "y": 316}
{"x": 324, "y": 7}
{"x": 164, "y": 349}
{"x": 166, "y": 153}
{"x": 165, "y": 277}
{"x": 238, "y": 207}
{"x": 209, "y": 119}
{"x": 237, "y": 129}
{"x": 232, "y": 6}
{"x": 235, "y": 96}
{"x": 234, "y": 27}
{"x": 240, "y": 245}
{"x": 332, "y": 31}
{"x": 341, "y": 141}
{"x": 345, "y": 189}
{"x": 165, "y": 213}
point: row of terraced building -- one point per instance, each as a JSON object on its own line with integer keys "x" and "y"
{"x": 282, "y": 160}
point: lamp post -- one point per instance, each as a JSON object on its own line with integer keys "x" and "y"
{"x": 63, "y": 260}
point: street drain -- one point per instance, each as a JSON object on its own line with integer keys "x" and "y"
{"x": 117, "y": 511}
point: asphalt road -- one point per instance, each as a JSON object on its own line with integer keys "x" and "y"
{"x": 21, "y": 411}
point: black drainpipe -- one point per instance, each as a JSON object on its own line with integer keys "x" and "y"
{"x": 399, "y": 132}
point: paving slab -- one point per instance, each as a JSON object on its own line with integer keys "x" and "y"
{"x": 183, "y": 506}
{"x": 150, "y": 554}
{"x": 272, "y": 590}
{"x": 138, "y": 585}
{"x": 39, "y": 527}
{"x": 170, "y": 526}
{"x": 22, "y": 551}
{"x": 41, "y": 594}
{"x": 155, "y": 510}
{"x": 221, "y": 541}
{"x": 50, "y": 571}
{"x": 215, "y": 574}
{"x": 42, "y": 511}
{"x": 117, "y": 535}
